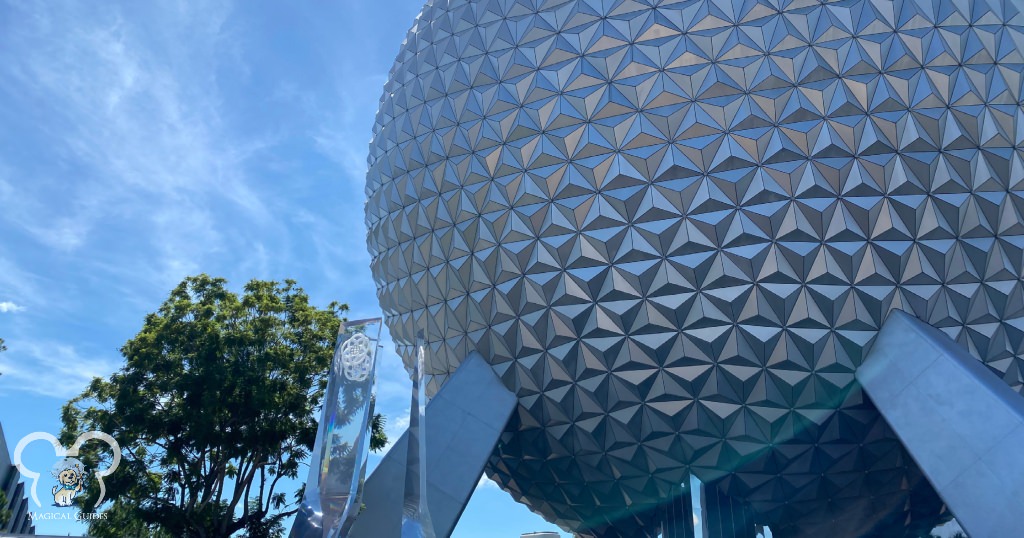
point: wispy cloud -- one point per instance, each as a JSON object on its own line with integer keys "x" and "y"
{"x": 8, "y": 306}
{"x": 25, "y": 288}
{"x": 486, "y": 483}
{"x": 395, "y": 427}
{"x": 140, "y": 144}
{"x": 51, "y": 368}
{"x": 345, "y": 136}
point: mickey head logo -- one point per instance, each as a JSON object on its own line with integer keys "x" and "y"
{"x": 62, "y": 452}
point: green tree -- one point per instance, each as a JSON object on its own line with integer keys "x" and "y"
{"x": 213, "y": 407}
{"x": 5, "y": 514}
{"x": 121, "y": 519}
{"x": 378, "y": 439}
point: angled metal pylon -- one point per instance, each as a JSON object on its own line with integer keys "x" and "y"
{"x": 338, "y": 460}
{"x": 962, "y": 425}
{"x": 466, "y": 419}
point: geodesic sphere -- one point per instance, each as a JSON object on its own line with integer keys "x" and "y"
{"x": 673, "y": 227}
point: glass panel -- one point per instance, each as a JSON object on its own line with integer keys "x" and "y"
{"x": 415, "y": 516}
{"x": 338, "y": 460}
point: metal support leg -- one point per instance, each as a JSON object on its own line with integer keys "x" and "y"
{"x": 464, "y": 422}
{"x": 962, "y": 424}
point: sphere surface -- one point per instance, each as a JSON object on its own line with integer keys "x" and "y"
{"x": 673, "y": 227}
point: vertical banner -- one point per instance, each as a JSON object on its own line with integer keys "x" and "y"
{"x": 338, "y": 462}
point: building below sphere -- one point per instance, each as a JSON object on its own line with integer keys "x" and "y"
{"x": 14, "y": 490}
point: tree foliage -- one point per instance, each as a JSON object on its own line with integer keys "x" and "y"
{"x": 121, "y": 519}
{"x": 378, "y": 439}
{"x": 213, "y": 408}
{"x": 5, "y": 514}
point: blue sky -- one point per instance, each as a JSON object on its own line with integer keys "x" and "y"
{"x": 146, "y": 141}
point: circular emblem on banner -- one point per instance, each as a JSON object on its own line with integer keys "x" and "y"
{"x": 357, "y": 357}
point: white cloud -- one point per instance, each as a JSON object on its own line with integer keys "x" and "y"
{"x": 948, "y": 530}
{"x": 344, "y": 137}
{"x": 51, "y": 369}
{"x": 25, "y": 288}
{"x": 136, "y": 111}
{"x": 486, "y": 483}
{"x": 8, "y": 306}
{"x": 395, "y": 427}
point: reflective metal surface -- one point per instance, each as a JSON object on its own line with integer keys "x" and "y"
{"x": 465, "y": 420}
{"x": 672, "y": 228}
{"x": 338, "y": 460}
{"x": 701, "y": 511}
{"x": 963, "y": 426}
